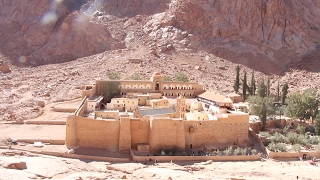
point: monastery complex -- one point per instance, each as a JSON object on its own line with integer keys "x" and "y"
{"x": 149, "y": 116}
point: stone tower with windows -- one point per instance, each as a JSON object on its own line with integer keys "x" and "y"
{"x": 157, "y": 80}
{"x": 181, "y": 107}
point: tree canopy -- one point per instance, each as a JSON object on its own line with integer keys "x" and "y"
{"x": 237, "y": 81}
{"x": 181, "y": 77}
{"x": 302, "y": 105}
{"x": 262, "y": 107}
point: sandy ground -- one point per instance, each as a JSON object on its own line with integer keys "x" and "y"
{"x": 40, "y": 166}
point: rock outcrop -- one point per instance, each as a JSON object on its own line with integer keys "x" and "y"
{"x": 266, "y": 35}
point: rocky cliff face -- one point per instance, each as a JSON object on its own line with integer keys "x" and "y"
{"x": 267, "y": 35}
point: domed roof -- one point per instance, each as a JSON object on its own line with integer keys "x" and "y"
{"x": 156, "y": 74}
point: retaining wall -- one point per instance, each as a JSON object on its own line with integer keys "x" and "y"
{"x": 293, "y": 154}
{"x": 195, "y": 158}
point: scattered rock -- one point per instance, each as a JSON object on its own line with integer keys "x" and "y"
{"x": 5, "y": 68}
{"x": 124, "y": 177}
{"x": 41, "y": 104}
{"x": 71, "y": 151}
{"x": 15, "y": 164}
{"x": 197, "y": 67}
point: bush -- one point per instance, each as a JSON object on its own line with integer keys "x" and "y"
{"x": 296, "y": 147}
{"x": 112, "y": 75}
{"x": 301, "y": 129}
{"x": 237, "y": 151}
{"x": 281, "y": 147}
{"x": 275, "y": 147}
{"x": 253, "y": 151}
{"x": 244, "y": 151}
{"x": 314, "y": 140}
{"x": 277, "y": 138}
{"x": 264, "y": 133}
{"x": 228, "y": 151}
{"x": 167, "y": 79}
{"x": 181, "y": 77}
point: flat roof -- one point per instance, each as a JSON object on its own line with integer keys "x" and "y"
{"x": 158, "y": 111}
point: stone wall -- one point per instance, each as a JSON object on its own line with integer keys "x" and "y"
{"x": 125, "y": 134}
{"x": 293, "y": 154}
{"x": 165, "y": 133}
{"x": 139, "y": 132}
{"x": 194, "y": 158}
{"x": 222, "y": 132}
{"x": 97, "y": 133}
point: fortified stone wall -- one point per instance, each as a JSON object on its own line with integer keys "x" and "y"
{"x": 139, "y": 132}
{"x": 97, "y": 133}
{"x": 165, "y": 133}
{"x": 125, "y": 134}
{"x": 222, "y": 132}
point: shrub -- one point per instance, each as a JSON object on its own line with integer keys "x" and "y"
{"x": 244, "y": 151}
{"x": 277, "y": 138}
{"x": 314, "y": 140}
{"x": 264, "y": 133}
{"x": 181, "y": 77}
{"x": 277, "y": 147}
{"x": 237, "y": 151}
{"x": 136, "y": 76}
{"x": 112, "y": 75}
{"x": 253, "y": 151}
{"x": 281, "y": 147}
{"x": 301, "y": 129}
{"x": 167, "y": 79}
{"x": 296, "y": 147}
{"x": 286, "y": 129}
{"x": 228, "y": 151}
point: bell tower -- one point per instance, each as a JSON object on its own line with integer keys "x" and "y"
{"x": 181, "y": 107}
{"x": 157, "y": 82}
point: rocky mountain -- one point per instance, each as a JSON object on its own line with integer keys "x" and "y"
{"x": 266, "y": 35}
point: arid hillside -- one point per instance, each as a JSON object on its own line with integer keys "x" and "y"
{"x": 266, "y": 35}
{"x": 54, "y": 47}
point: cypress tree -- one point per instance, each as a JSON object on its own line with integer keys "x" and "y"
{"x": 262, "y": 89}
{"x": 278, "y": 92}
{"x": 244, "y": 86}
{"x": 284, "y": 93}
{"x": 253, "y": 88}
{"x": 237, "y": 81}
{"x": 268, "y": 87}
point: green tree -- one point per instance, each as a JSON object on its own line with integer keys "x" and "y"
{"x": 278, "y": 92}
{"x": 317, "y": 124}
{"x": 237, "y": 81}
{"x": 113, "y": 75}
{"x": 301, "y": 129}
{"x": 253, "y": 85}
{"x": 244, "y": 86}
{"x": 181, "y": 77}
{"x": 262, "y": 107}
{"x": 268, "y": 87}
{"x": 284, "y": 93}
{"x": 136, "y": 76}
{"x": 167, "y": 79}
{"x": 261, "y": 89}
{"x": 302, "y": 105}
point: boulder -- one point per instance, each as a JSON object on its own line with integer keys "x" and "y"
{"x": 15, "y": 164}
{"x": 5, "y": 68}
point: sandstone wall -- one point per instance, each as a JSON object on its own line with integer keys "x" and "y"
{"x": 139, "y": 132}
{"x": 125, "y": 134}
{"x": 97, "y": 133}
{"x": 165, "y": 133}
{"x": 222, "y": 132}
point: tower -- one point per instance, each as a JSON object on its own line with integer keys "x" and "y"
{"x": 181, "y": 107}
{"x": 157, "y": 82}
